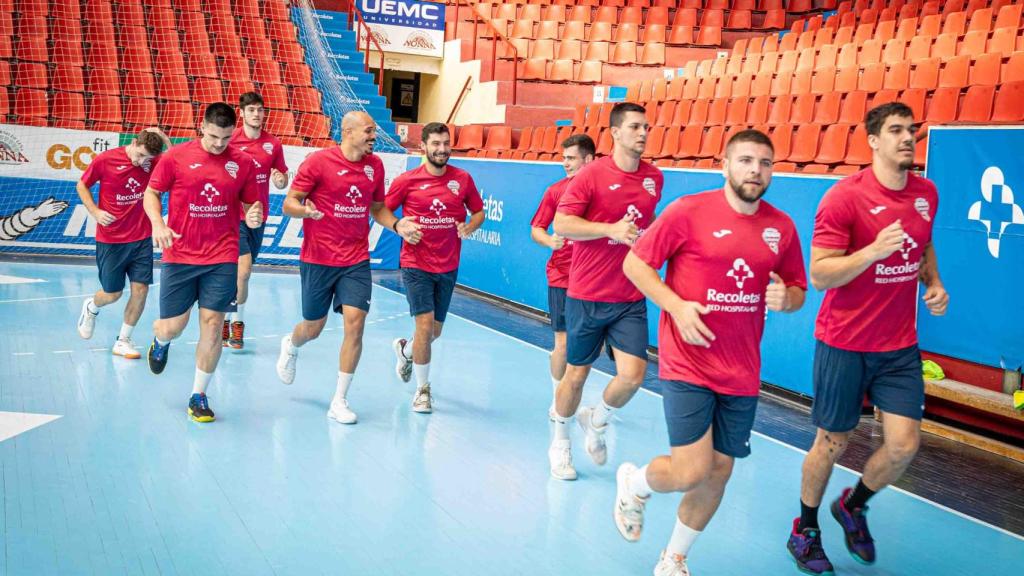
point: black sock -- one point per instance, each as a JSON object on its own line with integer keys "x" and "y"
{"x": 808, "y": 517}
{"x": 859, "y": 496}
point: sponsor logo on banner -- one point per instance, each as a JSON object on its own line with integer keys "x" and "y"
{"x": 923, "y": 208}
{"x": 50, "y": 153}
{"x": 11, "y": 150}
{"x": 997, "y": 209}
{"x": 417, "y": 27}
{"x": 771, "y": 237}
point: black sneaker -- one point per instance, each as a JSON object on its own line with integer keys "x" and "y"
{"x": 157, "y": 356}
{"x": 199, "y": 408}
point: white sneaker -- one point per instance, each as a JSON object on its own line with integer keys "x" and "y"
{"x": 421, "y": 401}
{"x": 595, "y": 444}
{"x": 126, "y": 348}
{"x": 560, "y": 458}
{"x": 629, "y": 508}
{"x": 86, "y": 320}
{"x": 286, "y": 361}
{"x": 340, "y": 412}
{"x": 403, "y": 365}
{"x": 671, "y": 565}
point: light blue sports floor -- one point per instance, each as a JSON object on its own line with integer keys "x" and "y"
{"x": 123, "y": 483}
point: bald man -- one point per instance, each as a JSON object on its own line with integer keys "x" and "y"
{"x": 336, "y": 191}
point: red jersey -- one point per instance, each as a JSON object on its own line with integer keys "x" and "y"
{"x": 601, "y": 192}
{"x": 122, "y": 187}
{"x": 343, "y": 191}
{"x": 204, "y": 194}
{"x": 438, "y": 203}
{"x": 721, "y": 259}
{"x": 267, "y": 154}
{"x": 876, "y": 311}
{"x": 561, "y": 259}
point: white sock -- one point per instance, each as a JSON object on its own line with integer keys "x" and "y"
{"x": 161, "y": 342}
{"x": 638, "y": 483}
{"x": 422, "y": 374}
{"x": 562, "y": 427}
{"x": 202, "y": 380}
{"x": 554, "y": 384}
{"x": 344, "y": 380}
{"x": 602, "y": 413}
{"x": 407, "y": 349}
{"x": 291, "y": 348}
{"x": 682, "y": 538}
{"x": 91, "y": 306}
{"x": 237, "y": 316}
{"x": 126, "y": 331}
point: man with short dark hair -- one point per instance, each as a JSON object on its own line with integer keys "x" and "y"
{"x": 268, "y": 159}
{"x": 438, "y": 196}
{"x": 336, "y": 191}
{"x": 872, "y": 244}
{"x": 604, "y": 209}
{"x": 577, "y": 151}
{"x": 123, "y": 245}
{"x": 207, "y": 183}
{"x": 730, "y": 257}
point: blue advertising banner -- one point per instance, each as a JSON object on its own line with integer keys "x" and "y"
{"x": 501, "y": 258}
{"x": 406, "y": 26}
{"x": 979, "y": 242}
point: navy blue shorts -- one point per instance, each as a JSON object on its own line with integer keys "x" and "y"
{"x": 589, "y": 324}
{"x": 556, "y": 307}
{"x": 181, "y": 285}
{"x": 892, "y": 381}
{"x": 250, "y": 240}
{"x": 133, "y": 260}
{"x": 429, "y": 291}
{"x": 342, "y": 285}
{"x": 690, "y": 410}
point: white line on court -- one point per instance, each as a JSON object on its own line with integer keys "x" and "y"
{"x": 55, "y": 297}
{"x": 765, "y": 436}
{"x": 63, "y": 351}
{"x": 23, "y": 353}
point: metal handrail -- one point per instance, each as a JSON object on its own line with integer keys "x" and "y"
{"x": 477, "y": 18}
{"x": 458, "y": 101}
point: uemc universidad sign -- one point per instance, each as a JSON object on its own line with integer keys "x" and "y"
{"x": 406, "y": 26}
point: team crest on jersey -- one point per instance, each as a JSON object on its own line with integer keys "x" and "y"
{"x": 771, "y": 237}
{"x": 368, "y": 170}
{"x": 268, "y": 148}
{"x": 923, "y": 207}
{"x": 453, "y": 186}
{"x": 649, "y": 186}
{"x": 232, "y": 168}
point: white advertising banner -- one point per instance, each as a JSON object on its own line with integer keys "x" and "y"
{"x": 405, "y": 26}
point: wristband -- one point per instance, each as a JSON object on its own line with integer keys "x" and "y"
{"x": 394, "y": 226}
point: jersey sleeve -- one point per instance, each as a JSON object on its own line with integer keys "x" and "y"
{"x": 833, "y": 225}
{"x": 378, "y": 189}
{"x": 791, "y": 261}
{"x": 395, "y": 196}
{"x": 577, "y": 196}
{"x": 307, "y": 177}
{"x": 545, "y": 212}
{"x": 250, "y": 193}
{"x": 474, "y": 203}
{"x": 163, "y": 175}
{"x": 666, "y": 236}
{"x": 278, "y": 162}
{"x": 94, "y": 172}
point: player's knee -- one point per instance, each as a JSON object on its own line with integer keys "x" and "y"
{"x": 688, "y": 475}
{"x": 312, "y": 328}
{"x": 832, "y": 444}
{"x": 114, "y": 296}
{"x": 721, "y": 470}
{"x": 902, "y": 449}
{"x": 140, "y": 290}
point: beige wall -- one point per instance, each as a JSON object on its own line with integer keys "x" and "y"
{"x": 438, "y": 93}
